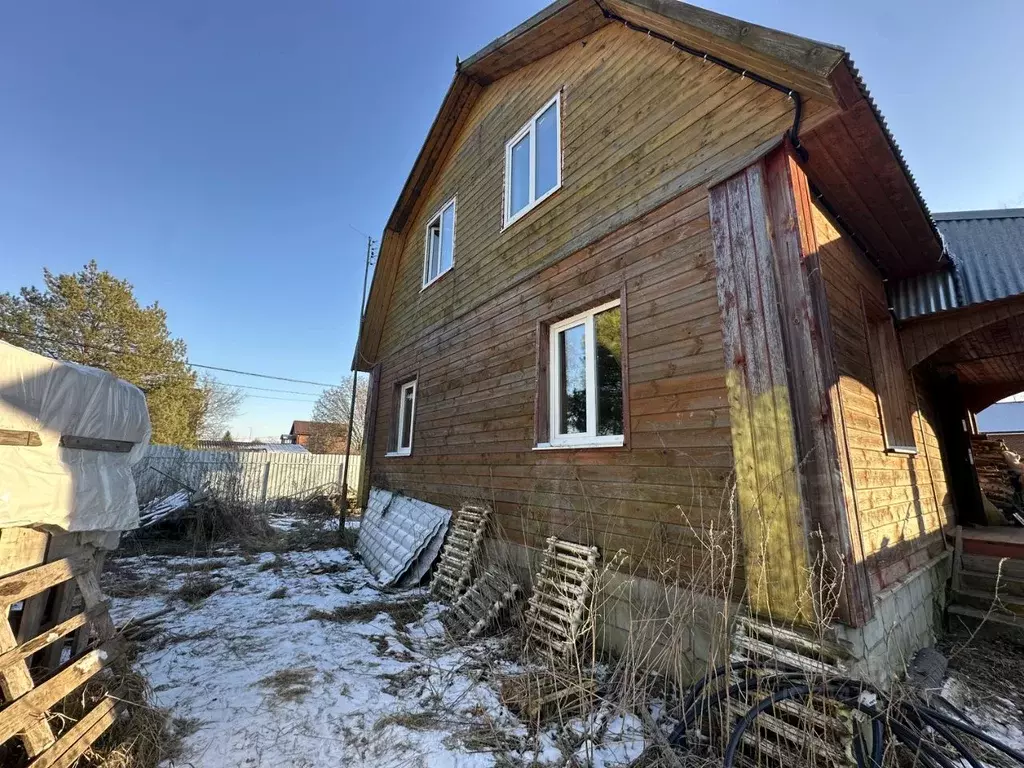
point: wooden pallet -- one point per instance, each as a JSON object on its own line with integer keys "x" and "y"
{"x": 478, "y": 608}
{"x": 25, "y": 713}
{"x": 460, "y": 554}
{"x": 819, "y": 732}
{"x": 560, "y": 599}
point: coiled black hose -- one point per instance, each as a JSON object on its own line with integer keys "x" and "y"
{"x": 909, "y": 723}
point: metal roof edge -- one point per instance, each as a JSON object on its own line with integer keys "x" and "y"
{"x": 989, "y": 213}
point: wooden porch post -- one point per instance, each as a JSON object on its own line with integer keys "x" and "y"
{"x": 801, "y": 559}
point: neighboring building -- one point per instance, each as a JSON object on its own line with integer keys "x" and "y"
{"x": 640, "y": 269}
{"x": 317, "y": 436}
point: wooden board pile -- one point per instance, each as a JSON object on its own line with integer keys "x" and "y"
{"x": 561, "y": 598}
{"x": 461, "y": 553}
{"x": 537, "y": 697}
{"x": 994, "y": 476}
{"x": 29, "y": 703}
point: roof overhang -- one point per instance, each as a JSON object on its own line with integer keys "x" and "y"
{"x": 853, "y": 160}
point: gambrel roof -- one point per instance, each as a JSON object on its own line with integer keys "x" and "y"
{"x": 851, "y": 157}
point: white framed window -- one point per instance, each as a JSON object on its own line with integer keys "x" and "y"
{"x": 439, "y": 249}
{"x": 533, "y": 161}
{"x": 585, "y": 400}
{"x": 405, "y": 413}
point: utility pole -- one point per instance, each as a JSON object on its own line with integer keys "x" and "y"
{"x": 352, "y": 400}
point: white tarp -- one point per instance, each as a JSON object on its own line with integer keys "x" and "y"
{"x": 400, "y": 537}
{"x": 68, "y": 489}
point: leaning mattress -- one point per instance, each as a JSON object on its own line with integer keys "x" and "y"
{"x": 400, "y": 537}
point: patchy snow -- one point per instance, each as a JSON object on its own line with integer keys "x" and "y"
{"x": 268, "y": 683}
{"x": 997, "y": 716}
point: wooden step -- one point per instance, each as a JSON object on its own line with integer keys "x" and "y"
{"x": 973, "y": 615}
{"x": 983, "y": 601}
{"x": 1007, "y": 567}
{"x": 979, "y": 581}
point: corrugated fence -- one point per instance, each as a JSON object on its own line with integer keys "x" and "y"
{"x": 250, "y": 477}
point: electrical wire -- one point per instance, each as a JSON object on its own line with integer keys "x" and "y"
{"x": 112, "y": 350}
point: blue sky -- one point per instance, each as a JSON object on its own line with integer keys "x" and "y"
{"x": 221, "y": 155}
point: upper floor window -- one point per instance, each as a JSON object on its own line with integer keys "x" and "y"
{"x": 439, "y": 252}
{"x": 585, "y": 379}
{"x": 533, "y": 161}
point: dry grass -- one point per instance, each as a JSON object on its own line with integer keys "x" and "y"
{"x": 414, "y": 721}
{"x": 401, "y": 612}
{"x": 278, "y": 594}
{"x": 290, "y": 684}
{"x": 197, "y": 588}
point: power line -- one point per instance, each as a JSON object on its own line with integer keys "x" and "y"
{"x": 287, "y": 399}
{"x": 268, "y": 389}
{"x": 189, "y": 363}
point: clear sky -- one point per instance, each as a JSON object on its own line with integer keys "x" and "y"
{"x": 221, "y": 155}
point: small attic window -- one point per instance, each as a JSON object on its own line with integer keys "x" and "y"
{"x": 533, "y": 161}
{"x": 439, "y": 252}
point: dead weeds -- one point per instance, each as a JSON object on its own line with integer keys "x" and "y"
{"x": 278, "y": 594}
{"x": 401, "y": 612}
{"x": 290, "y": 684}
{"x": 414, "y": 721}
{"x": 195, "y": 589}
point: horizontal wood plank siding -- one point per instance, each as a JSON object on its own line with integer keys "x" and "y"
{"x": 475, "y": 412}
{"x": 902, "y": 502}
{"x": 641, "y": 123}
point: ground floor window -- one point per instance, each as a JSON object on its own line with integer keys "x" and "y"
{"x": 403, "y": 415}
{"x": 584, "y": 374}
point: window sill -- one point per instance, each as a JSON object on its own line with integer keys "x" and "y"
{"x": 431, "y": 282}
{"x": 397, "y": 454}
{"x": 902, "y": 450}
{"x": 531, "y": 207}
{"x": 615, "y": 442}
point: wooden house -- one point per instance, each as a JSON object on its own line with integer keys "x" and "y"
{"x": 635, "y": 290}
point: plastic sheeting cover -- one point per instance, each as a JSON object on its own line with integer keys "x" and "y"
{"x": 400, "y": 537}
{"x": 66, "y": 488}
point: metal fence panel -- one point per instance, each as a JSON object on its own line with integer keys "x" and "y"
{"x": 251, "y": 477}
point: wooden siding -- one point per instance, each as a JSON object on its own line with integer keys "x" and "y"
{"x": 475, "y": 413}
{"x": 901, "y": 502}
{"x": 763, "y": 428}
{"x": 641, "y": 123}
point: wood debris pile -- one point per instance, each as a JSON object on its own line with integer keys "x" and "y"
{"x": 476, "y": 610}
{"x": 997, "y": 480}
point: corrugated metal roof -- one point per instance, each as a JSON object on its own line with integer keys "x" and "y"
{"x": 986, "y": 249}
{"x": 924, "y": 294}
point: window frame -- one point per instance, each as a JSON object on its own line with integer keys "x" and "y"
{"x": 893, "y": 386}
{"x": 551, "y": 397}
{"x": 438, "y": 217}
{"x": 508, "y": 218}
{"x": 398, "y": 418}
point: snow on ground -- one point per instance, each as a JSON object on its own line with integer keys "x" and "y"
{"x": 298, "y": 659}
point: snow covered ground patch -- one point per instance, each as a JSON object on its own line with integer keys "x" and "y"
{"x": 297, "y": 659}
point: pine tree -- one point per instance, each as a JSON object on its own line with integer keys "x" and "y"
{"x": 93, "y": 318}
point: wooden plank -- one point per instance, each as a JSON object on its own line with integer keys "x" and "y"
{"x": 762, "y": 430}
{"x": 812, "y": 372}
{"x": 24, "y": 584}
{"x": 22, "y": 437}
{"x": 22, "y": 548}
{"x": 15, "y": 682}
{"x": 29, "y": 710}
{"x": 51, "y": 635}
{"x": 82, "y": 735}
{"x": 63, "y": 546}
{"x": 99, "y": 444}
